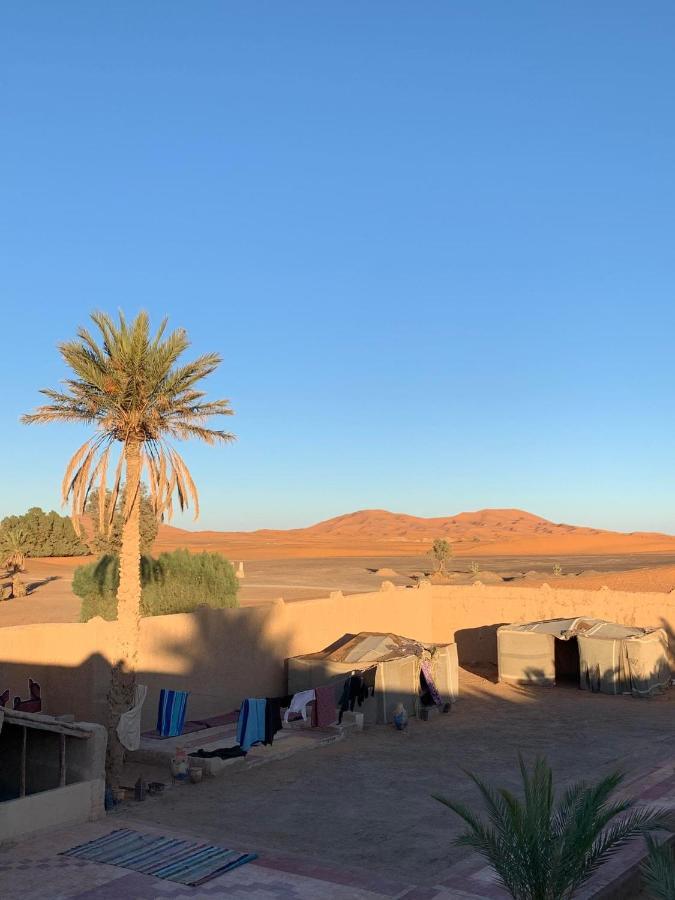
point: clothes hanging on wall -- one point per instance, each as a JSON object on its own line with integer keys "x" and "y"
{"x": 326, "y": 707}
{"x": 273, "y": 721}
{"x": 251, "y": 723}
{"x": 129, "y": 725}
{"x": 357, "y": 688}
{"x": 171, "y": 712}
{"x": 299, "y": 704}
{"x": 431, "y": 684}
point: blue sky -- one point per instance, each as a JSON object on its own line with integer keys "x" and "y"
{"x": 433, "y": 243}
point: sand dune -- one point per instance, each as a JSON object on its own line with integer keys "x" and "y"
{"x": 487, "y": 532}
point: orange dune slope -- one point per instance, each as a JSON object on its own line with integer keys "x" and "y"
{"x": 487, "y": 532}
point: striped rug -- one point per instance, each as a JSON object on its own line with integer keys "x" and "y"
{"x": 164, "y": 857}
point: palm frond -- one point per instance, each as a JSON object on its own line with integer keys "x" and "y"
{"x": 542, "y": 850}
{"x": 130, "y": 385}
{"x": 658, "y": 870}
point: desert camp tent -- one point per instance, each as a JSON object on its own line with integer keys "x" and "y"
{"x": 398, "y": 677}
{"x": 600, "y": 655}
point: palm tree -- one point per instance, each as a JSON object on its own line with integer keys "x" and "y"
{"x": 13, "y": 549}
{"x": 542, "y": 849}
{"x": 131, "y": 390}
{"x": 658, "y": 870}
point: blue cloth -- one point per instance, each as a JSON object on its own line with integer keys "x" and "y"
{"x": 251, "y": 723}
{"x": 171, "y": 712}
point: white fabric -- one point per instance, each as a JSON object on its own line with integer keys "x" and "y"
{"x": 129, "y": 727}
{"x": 299, "y": 704}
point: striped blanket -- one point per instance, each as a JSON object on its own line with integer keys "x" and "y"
{"x": 186, "y": 862}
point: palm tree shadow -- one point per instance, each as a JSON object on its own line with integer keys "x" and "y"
{"x": 34, "y": 585}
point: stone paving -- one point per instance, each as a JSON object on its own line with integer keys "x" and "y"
{"x": 34, "y": 869}
{"x": 401, "y": 848}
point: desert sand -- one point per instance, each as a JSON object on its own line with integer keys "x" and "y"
{"x": 371, "y": 532}
{"x": 352, "y": 552}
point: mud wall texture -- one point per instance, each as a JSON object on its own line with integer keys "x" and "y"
{"x": 222, "y": 656}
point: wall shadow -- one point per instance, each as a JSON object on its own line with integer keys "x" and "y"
{"x": 477, "y": 649}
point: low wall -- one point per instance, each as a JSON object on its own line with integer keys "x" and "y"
{"x": 70, "y": 805}
{"x": 222, "y": 656}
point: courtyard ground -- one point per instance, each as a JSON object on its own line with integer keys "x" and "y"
{"x": 357, "y": 819}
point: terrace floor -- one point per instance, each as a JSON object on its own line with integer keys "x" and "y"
{"x": 356, "y": 819}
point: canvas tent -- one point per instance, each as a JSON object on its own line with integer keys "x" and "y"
{"x": 398, "y": 677}
{"x": 600, "y": 655}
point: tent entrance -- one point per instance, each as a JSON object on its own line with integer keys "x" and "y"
{"x": 567, "y": 662}
{"x": 425, "y": 696}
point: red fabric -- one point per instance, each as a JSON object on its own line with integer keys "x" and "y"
{"x": 325, "y": 706}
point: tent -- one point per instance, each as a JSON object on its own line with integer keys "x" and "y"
{"x": 598, "y": 655}
{"x": 398, "y": 678}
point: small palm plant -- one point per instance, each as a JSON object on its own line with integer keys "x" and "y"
{"x": 14, "y": 549}
{"x": 658, "y": 870}
{"x": 543, "y": 849}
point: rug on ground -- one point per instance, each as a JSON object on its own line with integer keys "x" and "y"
{"x": 186, "y": 862}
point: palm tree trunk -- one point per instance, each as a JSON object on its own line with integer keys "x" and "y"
{"x": 123, "y": 675}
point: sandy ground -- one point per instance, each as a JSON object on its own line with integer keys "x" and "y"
{"x": 367, "y": 802}
{"x": 378, "y": 532}
{"x": 51, "y": 599}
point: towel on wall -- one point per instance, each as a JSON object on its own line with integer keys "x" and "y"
{"x": 251, "y": 723}
{"x": 326, "y": 706}
{"x": 129, "y": 725}
{"x": 171, "y": 712}
{"x": 299, "y": 704}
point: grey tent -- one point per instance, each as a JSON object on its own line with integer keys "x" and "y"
{"x": 599, "y": 655}
{"x": 398, "y": 677}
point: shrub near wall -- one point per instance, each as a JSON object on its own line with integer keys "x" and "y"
{"x": 174, "y": 583}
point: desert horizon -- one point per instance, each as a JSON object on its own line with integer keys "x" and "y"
{"x": 491, "y": 532}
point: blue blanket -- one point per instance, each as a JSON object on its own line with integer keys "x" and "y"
{"x": 251, "y": 723}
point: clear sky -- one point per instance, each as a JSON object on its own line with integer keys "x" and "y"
{"x": 434, "y": 243}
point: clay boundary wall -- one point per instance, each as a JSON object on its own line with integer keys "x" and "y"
{"x": 222, "y": 656}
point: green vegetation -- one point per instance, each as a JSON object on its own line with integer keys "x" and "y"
{"x": 109, "y": 539}
{"x": 174, "y": 583}
{"x": 545, "y": 850}
{"x": 45, "y": 534}
{"x": 658, "y": 870}
{"x": 441, "y": 552}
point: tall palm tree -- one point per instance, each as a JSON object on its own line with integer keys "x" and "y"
{"x": 545, "y": 850}
{"x": 130, "y": 388}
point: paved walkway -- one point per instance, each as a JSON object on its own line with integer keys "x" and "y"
{"x": 34, "y": 868}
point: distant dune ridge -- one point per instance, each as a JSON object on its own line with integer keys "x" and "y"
{"x": 368, "y": 531}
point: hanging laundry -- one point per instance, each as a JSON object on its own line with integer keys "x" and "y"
{"x": 431, "y": 684}
{"x": 299, "y": 704}
{"x": 129, "y": 725}
{"x": 171, "y": 712}
{"x": 251, "y": 723}
{"x": 326, "y": 707}
{"x": 272, "y": 718}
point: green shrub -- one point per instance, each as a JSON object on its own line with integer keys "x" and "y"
{"x": 46, "y": 534}
{"x": 175, "y": 582}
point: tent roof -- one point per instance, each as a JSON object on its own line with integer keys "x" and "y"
{"x": 371, "y": 647}
{"x": 569, "y": 628}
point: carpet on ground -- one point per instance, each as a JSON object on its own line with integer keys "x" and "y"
{"x": 186, "y": 862}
